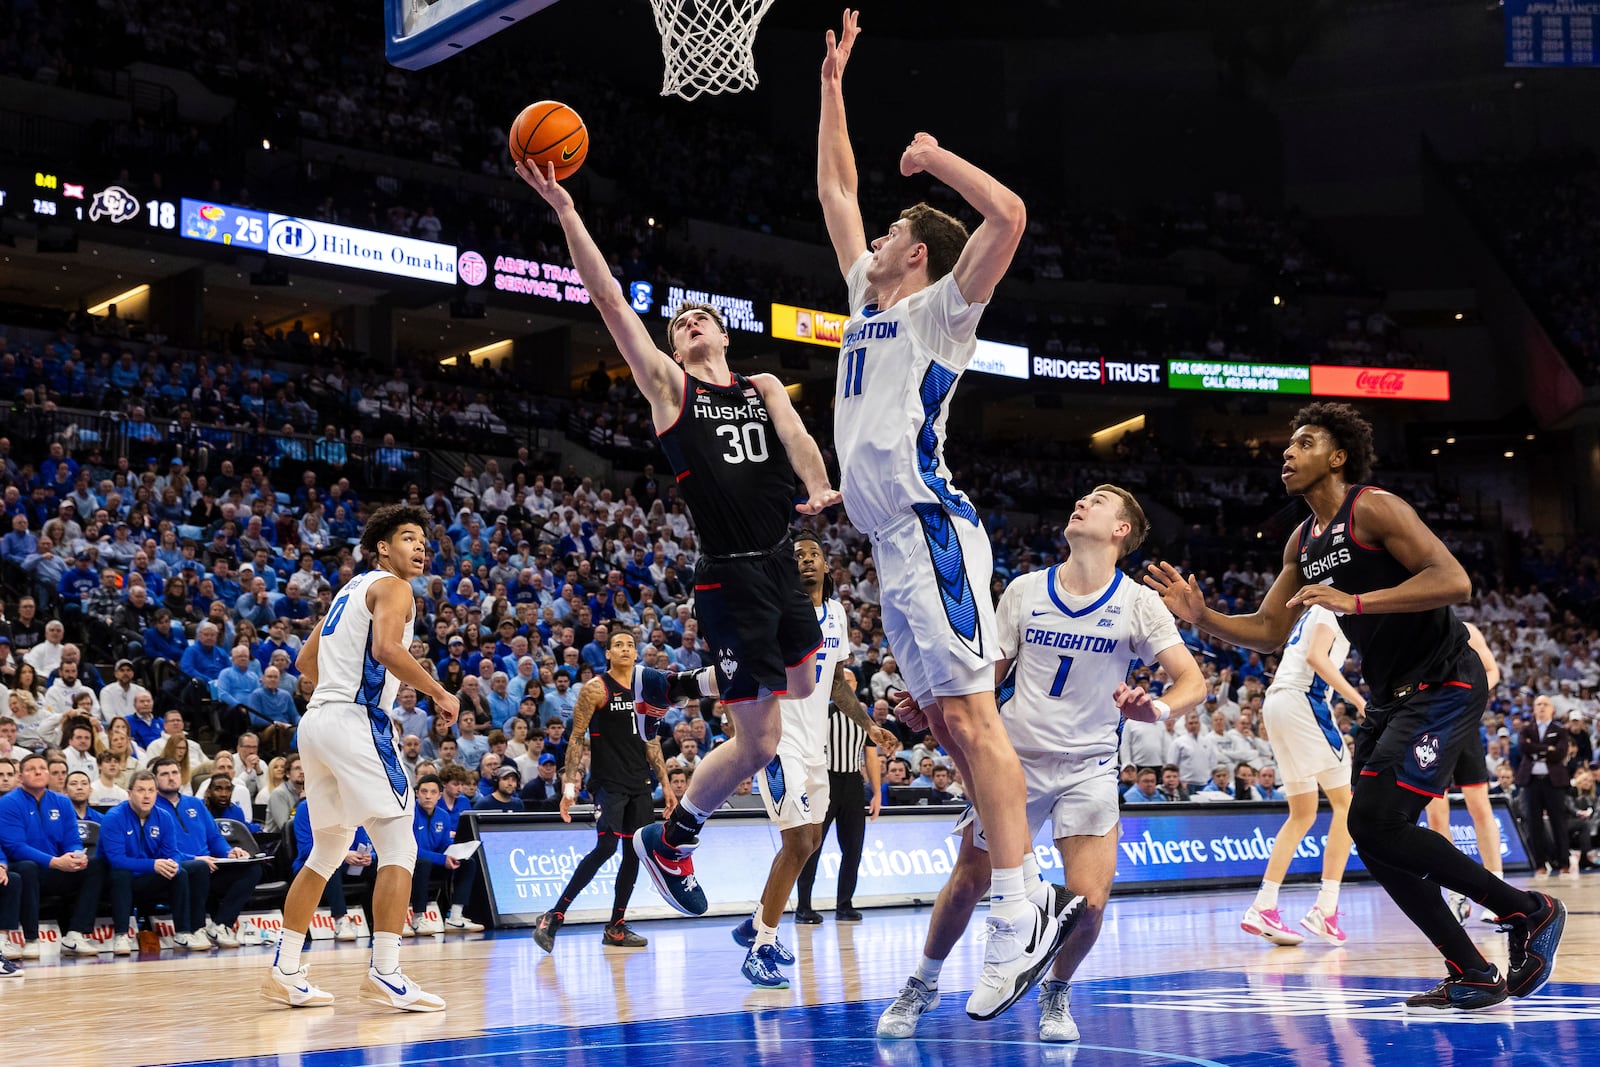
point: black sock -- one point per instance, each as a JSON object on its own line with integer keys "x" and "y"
{"x": 682, "y": 827}
{"x": 587, "y": 868}
{"x": 627, "y": 874}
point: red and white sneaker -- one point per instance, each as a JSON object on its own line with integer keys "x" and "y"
{"x": 1324, "y": 925}
{"x": 1270, "y": 925}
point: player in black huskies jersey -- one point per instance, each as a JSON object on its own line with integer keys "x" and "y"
{"x": 1391, "y": 582}
{"x": 717, "y": 429}
{"x": 615, "y": 712}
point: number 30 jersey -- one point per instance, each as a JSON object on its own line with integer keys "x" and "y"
{"x": 733, "y": 470}
{"x": 347, "y": 671}
{"x": 898, "y": 369}
{"x": 1070, "y": 653}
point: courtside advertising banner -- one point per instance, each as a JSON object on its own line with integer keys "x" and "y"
{"x": 908, "y": 856}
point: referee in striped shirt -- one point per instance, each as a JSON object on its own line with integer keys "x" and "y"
{"x": 849, "y": 750}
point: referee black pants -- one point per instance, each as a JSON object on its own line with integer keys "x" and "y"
{"x": 847, "y": 809}
{"x": 1540, "y": 799}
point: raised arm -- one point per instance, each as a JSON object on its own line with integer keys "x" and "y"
{"x": 804, "y": 455}
{"x": 987, "y": 256}
{"x": 1263, "y": 630}
{"x": 1437, "y": 579}
{"x": 1317, "y": 651}
{"x": 657, "y": 376}
{"x": 836, "y": 163}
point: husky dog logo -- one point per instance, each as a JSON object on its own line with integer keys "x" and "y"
{"x": 730, "y": 666}
{"x": 1426, "y": 751}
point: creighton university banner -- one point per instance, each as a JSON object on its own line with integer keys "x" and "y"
{"x": 908, "y": 854}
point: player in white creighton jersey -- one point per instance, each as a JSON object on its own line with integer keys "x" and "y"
{"x": 915, "y": 299}
{"x": 1068, "y": 638}
{"x": 357, "y": 660}
{"x": 794, "y": 786}
{"x": 1310, "y": 752}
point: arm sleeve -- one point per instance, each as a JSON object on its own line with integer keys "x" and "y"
{"x": 1008, "y": 617}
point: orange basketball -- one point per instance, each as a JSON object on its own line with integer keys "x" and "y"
{"x": 550, "y": 132}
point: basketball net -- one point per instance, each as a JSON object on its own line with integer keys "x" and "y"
{"x": 707, "y": 45}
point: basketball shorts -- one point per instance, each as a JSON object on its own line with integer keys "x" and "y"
{"x": 1423, "y": 728}
{"x": 938, "y": 616}
{"x": 1078, "y": 794}
{"x": 352, "y": 766}
{"x": 1472, "y": 766}
{"x": 1306, "y": 743}
{"x": 756, "y": 620}
{"x": 620, "y": 813}
{"x": 794, "y": 789}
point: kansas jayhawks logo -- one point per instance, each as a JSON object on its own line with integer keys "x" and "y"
{"x": 1426, "y": 751}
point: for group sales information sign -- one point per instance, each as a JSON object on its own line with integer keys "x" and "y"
{"x": 1551, "y": 33}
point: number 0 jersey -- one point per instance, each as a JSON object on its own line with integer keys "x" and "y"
{"x": 347, "y": 672}
{"x": 805, "y": 719}
{"x": 1070, "y": 653}
{"x": 733, "y": 470}
{"x": 1294, "y": 671}
{"x": 898, "y": 369}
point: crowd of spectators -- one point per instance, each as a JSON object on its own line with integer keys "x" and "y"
{"x": 1542, "y": 214}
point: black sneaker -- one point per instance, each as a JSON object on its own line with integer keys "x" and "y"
{"x": 545, "y": 928}
{"x": 1462, "y": 991}
{"x": 807, "y": 917}
{"x": 617, "y": 935}
{"x": 844, "y": 913}
{"x": 1534, "y": 939}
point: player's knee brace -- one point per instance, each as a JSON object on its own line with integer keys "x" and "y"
{"x": 329, "y": 847}
{"x": 395, "y": 842}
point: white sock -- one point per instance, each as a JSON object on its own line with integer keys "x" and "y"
{"x": 1033, "y": 882}
{"x": 1008, "y": 896}
{"x": 927, "y": 972}
{"x": 692, "y": 810}
{"x": 1267, "y": 895}
{"x": 765, "y": 935}
{"x": 289, "y": 945}
{"x": 385, "y": 952}
{"x": 1328, "y": 896}
{"x": 455, "y": 912}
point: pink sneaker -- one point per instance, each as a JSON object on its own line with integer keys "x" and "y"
{"x": 1270, "y": 925}
{"x": 1324, "y": 925}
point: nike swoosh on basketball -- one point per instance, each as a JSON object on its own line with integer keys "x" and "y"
{"x": 568, "y": 153}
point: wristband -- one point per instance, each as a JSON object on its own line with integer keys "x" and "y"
{"x": 1358, "y": 603}
{"x": 1163, "y": 710}
{"x": 569, "y": 790}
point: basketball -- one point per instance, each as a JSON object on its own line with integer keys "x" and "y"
{"x": 550, "y": 132}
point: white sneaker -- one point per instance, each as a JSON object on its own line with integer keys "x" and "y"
{"x": 122, "y": 945}
{"x": 463, "y": 925}
{"x": 10, "y": 950}
{"x": 195, "y": 942}
{"x": 1014, "y": 955}
{"x": 408, "y": 931}
{"x": 75, "y": 944}
{"x": 1460, "y": 906}
{"x": 900, "y": 1019}
{"x": 31, "y": 950}
{"x": 344, "y": 930}
{"x": 1055, "y": 1014}
{"x": 225, "y": 937}
{"x": 426, "y": 927}
{"x": 295, "y": 989}
{"x": 397, "y": 991}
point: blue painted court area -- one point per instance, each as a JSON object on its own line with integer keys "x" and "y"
{"x": 1214, "y": 1017}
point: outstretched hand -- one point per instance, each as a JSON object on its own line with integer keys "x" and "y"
{"x": 544, "y": 183}
{"x": 914, "y": 160}
{"x": 1182, "y": 597}
{"x": 838, "y": 53}
{"x": 819, "y": 502}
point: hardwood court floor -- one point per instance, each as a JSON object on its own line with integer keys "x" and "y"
{"x": 1172, "y": 980}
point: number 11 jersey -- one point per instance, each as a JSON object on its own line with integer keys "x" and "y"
{"x": 732, "y": 469}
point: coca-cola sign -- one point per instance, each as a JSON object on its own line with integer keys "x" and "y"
{"x": 1380, "y": 384}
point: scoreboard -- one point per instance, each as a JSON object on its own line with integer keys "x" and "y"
{"x": 225, "y": 224}
{"x": 49, "y": 197}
